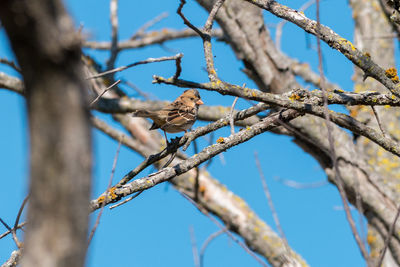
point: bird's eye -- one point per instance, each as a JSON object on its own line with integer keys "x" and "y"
{"x": 192, "y": 98}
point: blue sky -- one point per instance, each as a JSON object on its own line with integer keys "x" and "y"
{"x": 153, "y": 230}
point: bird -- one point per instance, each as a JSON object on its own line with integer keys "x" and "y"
{"x": 177, "y": 116}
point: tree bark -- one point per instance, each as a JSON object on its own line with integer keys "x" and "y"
{"x": 48, "y": 51}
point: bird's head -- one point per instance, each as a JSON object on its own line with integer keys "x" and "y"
{"x": 191, "y": 98}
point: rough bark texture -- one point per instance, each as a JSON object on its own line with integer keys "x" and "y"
{"x": 43, "y": 39}
{"x": 370, "y": 26}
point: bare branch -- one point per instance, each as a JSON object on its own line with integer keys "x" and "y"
{"x": 13, "y": 260}
{"x": 185, "y": 165}
{"x": 195, "y": 250}
{"x": 118, "y": 135}
{"x": 11, "y": 83}
{"x": 10, "y": 64}
{"x": 12, "y": 230}
{"x": 205, "y": 35}
{"x": 151, "y": 38}
{"x": 107, "y": 191}
{"x": 332, "y": 152}
{"x": 114, "y": 34}
{"x": 186, "y": 21}
{"x": 279, "y": 27}
{"x": 388, "y": 237}
{"x": 15, "y": 227}
{"x": 142, "y": 30}
{"x": 378, "y": 121}
{"x": 237, "y": 241}
{"x": 149, "y": 60}
{"x": 305, "y": 106}
{"x": 104, "y": 91}
{"x": 270, "y": 203}
{"x": 126, "y": 200}
{"x": 19, "y": 226}
{"x": 184, "y": 141}
{"x": 207, "y": 242}
{"x": 298, "y": 185}
{"x": 370, "y": 68}
{"x": 231, "y": 115}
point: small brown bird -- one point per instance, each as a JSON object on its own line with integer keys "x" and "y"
{"x": 175, "y": 117}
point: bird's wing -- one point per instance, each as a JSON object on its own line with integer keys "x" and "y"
{"x": 179, "y": 114}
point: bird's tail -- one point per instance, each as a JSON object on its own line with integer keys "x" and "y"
{"x": 143, "y": 113}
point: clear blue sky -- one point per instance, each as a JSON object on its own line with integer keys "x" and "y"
{"x": 153, "y": 230}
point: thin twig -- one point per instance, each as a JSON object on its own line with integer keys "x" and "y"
{"x": 237, "y": 241}
{"x": 16, "y": 226}
{"x": 207, "y": 242}
{"x": 363, "y": 232}
{"x": 149, "y": 24}
{"x": 108, "y": 189}
{"x": 338, "y": 178}
{"x": 270, "y": 203}
{"x": 195, "y": 250}
{"x": 231, "y": 115}
{"x": 145, "y": 95}
{"x": 149, "y": 161}
{"x": 10, "y": 64}
{"x": 149, "y": 60}
{"x": 186, "y": 21}
{"x": 197, "y": 177}
{"x": 104, "y": 91}
{"x": 126, "y": 200}
{"x": 19, "y": 226}
{"x": 20, "y": 212}
{"x": 298, "y": 185}
{"x": 388, "y": 237}
{"x": 205, "y": 36}
{"x": 378, "y": 121}
{"x": 210, "y": 20}
{"x": 279, "y": 27}
{"x": 114, "y": 34}
{"x": 210, "y": 141}
{"x": 15, "y": 238}
{"x": 178, "y": 67}
{"x": 158, "y": 37}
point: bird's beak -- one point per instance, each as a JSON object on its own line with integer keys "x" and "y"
{"x": 199, "y": 102}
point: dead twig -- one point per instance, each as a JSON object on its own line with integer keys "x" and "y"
{"x": 19, "y": 226}
{"x": 388, "y": 237}
{"x": 298, "y": 185}
{"x": 378, "y": 121}
{"x": 231, "y": 116}
{"x": 195, "y": 250}
{"x": 337, "y": 175}
{"x": 104, "y": 91}
{"x": 237, "y": 241}
{"x": 126, "y": 200}
{"x": 140, "y": 32}
{"x": 12, "y": 230}
{"x": 279, "y": 27}
{"x": 108, "y": 189}
{"x": 205, "y": 36}
{"x": 10, "y": 64}
{"x": 114, "y": 34}
{"x": 270, "y": 203}
{"x": 149, "y": 60}
{"x": 207, "y": 242}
